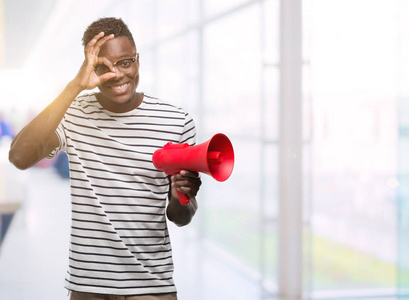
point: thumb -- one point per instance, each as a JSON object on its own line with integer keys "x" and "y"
{"x": 107, "y": 76}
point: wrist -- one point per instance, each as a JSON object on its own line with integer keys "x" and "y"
{"x": 71, "y": 91}
{"x": 74, "y": 87}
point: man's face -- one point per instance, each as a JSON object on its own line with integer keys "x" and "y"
{"x": 118, "y": 93}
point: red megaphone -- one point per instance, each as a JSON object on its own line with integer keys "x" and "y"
{"x": 214, "y": 157}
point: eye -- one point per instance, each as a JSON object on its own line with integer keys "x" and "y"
{"x": 126, "y": 63}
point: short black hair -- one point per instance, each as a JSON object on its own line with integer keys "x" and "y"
{"x": 109, "y": 26}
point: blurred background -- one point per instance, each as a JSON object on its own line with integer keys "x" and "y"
{"x": 314, "y": 95}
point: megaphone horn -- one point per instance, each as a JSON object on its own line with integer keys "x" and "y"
{"x": 214, "y": 157}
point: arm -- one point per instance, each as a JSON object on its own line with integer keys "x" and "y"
{"x": 189, "y": 183}
{"x": 38, "y": 138}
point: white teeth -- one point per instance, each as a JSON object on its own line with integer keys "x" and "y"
{"x": 118, "y": 88}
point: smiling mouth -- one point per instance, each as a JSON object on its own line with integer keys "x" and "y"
{"x": 120, "y": 88}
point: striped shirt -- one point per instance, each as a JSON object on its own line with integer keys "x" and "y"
{"x": 119, "y": 237}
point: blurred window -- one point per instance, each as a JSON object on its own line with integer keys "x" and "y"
{"x": 352, "y": 104}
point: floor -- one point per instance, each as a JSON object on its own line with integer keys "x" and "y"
{"x": 33, "y": 256}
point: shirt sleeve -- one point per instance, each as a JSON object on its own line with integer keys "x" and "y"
{"x": 189, "y": 131}
{"x": 62, "y": 141}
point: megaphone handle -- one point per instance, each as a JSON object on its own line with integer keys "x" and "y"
{"x": 183, "y": 198}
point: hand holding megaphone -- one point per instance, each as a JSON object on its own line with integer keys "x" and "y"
{"x": 214, "y": 157}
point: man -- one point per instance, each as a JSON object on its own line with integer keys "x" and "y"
{"x": 119, "y": 243}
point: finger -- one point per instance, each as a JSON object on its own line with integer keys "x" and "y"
{"x": 193, "y": 182}
{"x": 94, "y": 46}
{"x": 191, "y": 192}
{"x": 185, "y": 190}
{"x": 180, "y": 179}
{"x": 93, "y": 41}
{"x": 186, "y": 173}
{"x": 102, "y": 41}
{"x": 188, "y": 182}
{"x": 101, "y": 60}
{"x": 107, "y": 76}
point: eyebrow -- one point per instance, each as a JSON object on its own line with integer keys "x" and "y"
{"x": 127, "y": 55}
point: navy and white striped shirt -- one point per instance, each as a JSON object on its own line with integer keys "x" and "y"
{"x": 119, "y": 238}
